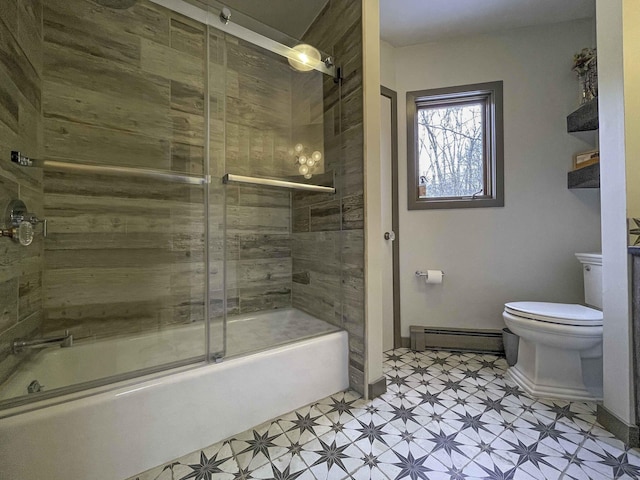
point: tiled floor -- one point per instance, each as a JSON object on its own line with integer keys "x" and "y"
{"x": 446, "y": 416}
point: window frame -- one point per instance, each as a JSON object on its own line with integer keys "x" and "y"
{"x": 490, "y": 94}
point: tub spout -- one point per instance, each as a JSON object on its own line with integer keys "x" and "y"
{"x": 19, "y": 344}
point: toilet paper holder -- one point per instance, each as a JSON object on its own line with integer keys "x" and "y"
{"x": 424, "y": 274}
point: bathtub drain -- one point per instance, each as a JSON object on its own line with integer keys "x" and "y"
{"x": 35, "y": 387}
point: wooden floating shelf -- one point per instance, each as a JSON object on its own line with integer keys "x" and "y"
{"x": 586, "y": 177}
{"x": 584, "y": 118}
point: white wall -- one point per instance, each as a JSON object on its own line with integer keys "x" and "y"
{"x": 387, "y": 65}
{"x": 611, "y": 101}
{"x": 523, "y": 251}
{"x": 631, "y": 28}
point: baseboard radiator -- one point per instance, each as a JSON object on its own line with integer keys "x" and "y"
{"x": 458, "y": 339}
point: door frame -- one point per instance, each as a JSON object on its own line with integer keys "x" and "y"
{"x": 395, "y": 221}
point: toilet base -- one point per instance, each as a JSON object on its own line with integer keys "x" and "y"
{"x": 549, "y": 372}
{"x": 548, "y": 391}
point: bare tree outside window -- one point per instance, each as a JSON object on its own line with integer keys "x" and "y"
{"x": 450, "y": 150}
{"x": 455, "y": 147}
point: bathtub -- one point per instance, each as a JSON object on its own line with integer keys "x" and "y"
{"x": 84, "y": 362}
{"x": 115, "y": 431}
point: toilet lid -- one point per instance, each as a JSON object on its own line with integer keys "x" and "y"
{"x": 560, "y": 313}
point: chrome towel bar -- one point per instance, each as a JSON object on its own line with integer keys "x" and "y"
{"x": 229, "y": 178}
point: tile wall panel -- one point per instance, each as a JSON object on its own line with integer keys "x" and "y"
{"x": 20, "y": 129}
{"x": 123, "y": 87}
{"x": 127, "y": 87}
{"x": 259, "y": 263}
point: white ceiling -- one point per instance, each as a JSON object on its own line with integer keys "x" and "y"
{"x": 410, "y": 22}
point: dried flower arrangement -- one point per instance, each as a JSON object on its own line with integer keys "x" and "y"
{"x": 584, "y": 60}
{"x": 585, "y": 65}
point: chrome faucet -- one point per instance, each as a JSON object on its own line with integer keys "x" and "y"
{"x": 20, "y": 344}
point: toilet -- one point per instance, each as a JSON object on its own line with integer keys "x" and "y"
{"x": 560, "y": 348}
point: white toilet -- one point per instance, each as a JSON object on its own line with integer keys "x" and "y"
{"x": 560, "y": 351}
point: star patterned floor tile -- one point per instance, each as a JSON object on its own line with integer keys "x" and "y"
{"x": 341, "y": 408}
{"x": 410, "y": 461}
{"x": 582, "y": 472}
{"x": 445, "y": 415}
{"x": 466, "y": 418}
{"x": 369, "y": 471}
{"x": 449, "y": 447}
{"x": 215, "y": 462}
{"x": 578, "y": 424}
{"x": 478, "y": 378}
{"x": 599, "y": 435}
{"x": 374, "y": 435}
{"x": 404, "y": 416}
{"x": 483, "y": 437}
{"x": 488, "y": 470}
{"x": 287, "y": 467}
{"x": 555, "y": 435}
{"x": 259, "y": 446}
{"x": 532, "y": 456}
{"x": 332, "y": 457}
{"x": 609, "y": 460}
{"x": 305, "y": 424}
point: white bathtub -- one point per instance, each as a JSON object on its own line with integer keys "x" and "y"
{"x": 84, "y": 362}
{"x": 117, "y": 431}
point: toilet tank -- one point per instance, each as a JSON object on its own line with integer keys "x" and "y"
{"x": 592, "y": 272}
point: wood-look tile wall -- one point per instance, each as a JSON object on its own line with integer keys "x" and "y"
{"x": 328, "y": 239}
{"x": 128, "y": 87}
{"x": 123, "y": 87}
{"x": 261, "y": 112}
{"x": 251, "y": 128}
{"x": 259, "y": 264}
{"x": 20, "y": 129}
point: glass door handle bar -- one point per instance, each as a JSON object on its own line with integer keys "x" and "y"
{"x": 128, "y": 171}
{"x": 229, "y": 178}
{"x": 114, "y": 170}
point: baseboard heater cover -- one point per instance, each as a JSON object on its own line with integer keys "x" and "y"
{"x": 459, "y": 339}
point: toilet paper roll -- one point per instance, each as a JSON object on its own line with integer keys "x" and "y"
{"x": 435, "y": 276}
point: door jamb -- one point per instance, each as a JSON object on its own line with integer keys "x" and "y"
{"x": 395, "y": 222}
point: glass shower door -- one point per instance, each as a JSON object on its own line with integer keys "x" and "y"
{"x": 266, "y": 122}
{"x": 121, "y": 156}
{"x": 134, "y": 115}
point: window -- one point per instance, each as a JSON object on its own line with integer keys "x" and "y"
{"x": 455, "y": 147}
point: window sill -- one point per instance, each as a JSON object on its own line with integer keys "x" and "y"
{"x": 415, "y": 204}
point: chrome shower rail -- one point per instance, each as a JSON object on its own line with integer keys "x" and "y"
{"x": 115, "y": 170}
{"x": 220, "y": 20}
{"x": 228, "y": 178}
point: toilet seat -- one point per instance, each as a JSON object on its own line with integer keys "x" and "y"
{"x": 558, "y": 313}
